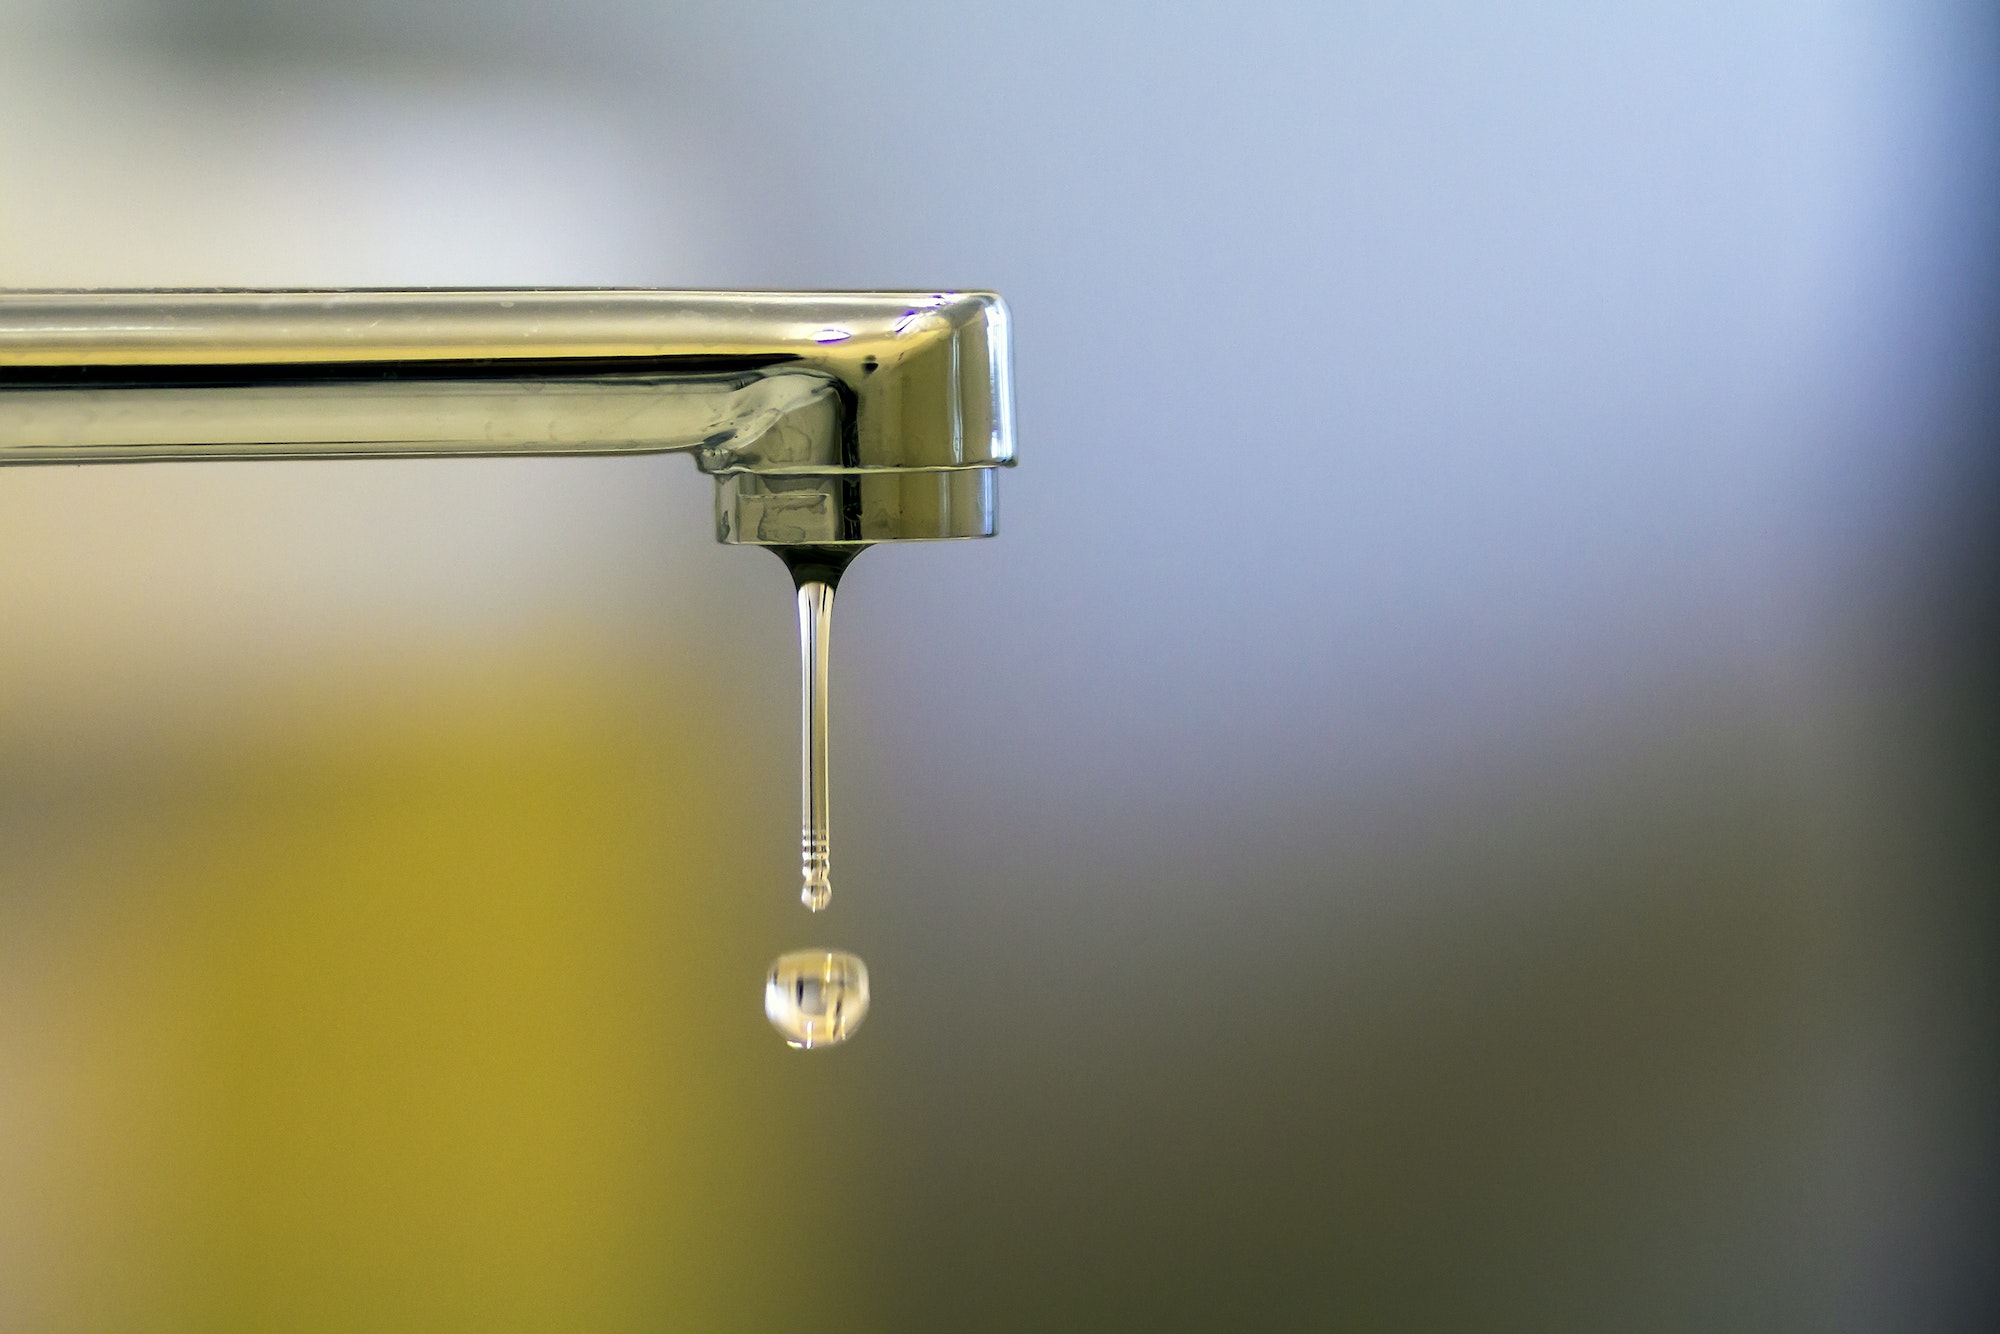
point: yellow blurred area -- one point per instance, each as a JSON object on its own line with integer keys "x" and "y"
{"x": 408, "y": 1003}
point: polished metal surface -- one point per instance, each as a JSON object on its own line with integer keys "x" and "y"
{"x": 828, "y": 419}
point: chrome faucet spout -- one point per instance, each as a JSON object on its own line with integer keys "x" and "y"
{"x": 829, "y": 420}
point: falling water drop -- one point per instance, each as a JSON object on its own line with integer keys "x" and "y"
{"x": 816, "y": 998}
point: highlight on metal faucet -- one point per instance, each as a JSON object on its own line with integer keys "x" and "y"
{"x": 830, "y": 421}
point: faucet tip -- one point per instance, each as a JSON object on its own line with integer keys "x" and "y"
{"x": 817, "y": 564}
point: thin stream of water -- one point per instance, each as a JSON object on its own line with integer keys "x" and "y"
{"x": 816, "y": 819}
{"x": 815, "y": 997}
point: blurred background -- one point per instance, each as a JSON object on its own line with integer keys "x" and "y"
{"x": 1460, "y": 799}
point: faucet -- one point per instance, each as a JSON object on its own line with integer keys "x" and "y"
{"x": 830, "y": 421}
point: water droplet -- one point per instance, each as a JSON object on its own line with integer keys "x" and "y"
{"x": 816, "y": 998}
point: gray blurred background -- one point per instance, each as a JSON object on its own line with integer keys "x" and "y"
{"x": 1460, "y": 799}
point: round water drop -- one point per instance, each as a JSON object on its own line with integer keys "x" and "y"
{"x": 816, "y": 998}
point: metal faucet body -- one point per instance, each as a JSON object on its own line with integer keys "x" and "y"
{"x": 830, "y": 421}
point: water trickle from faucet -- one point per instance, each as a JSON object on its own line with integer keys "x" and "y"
{"x": 816, "y": 833}
{"x": 815, "y": 997}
